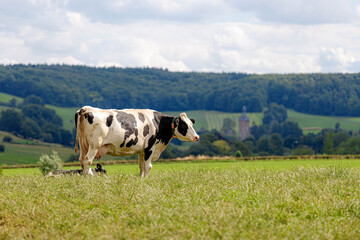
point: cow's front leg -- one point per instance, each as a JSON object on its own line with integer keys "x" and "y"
{"x": 148, "y": 167}
{"x": 142, "y": 164}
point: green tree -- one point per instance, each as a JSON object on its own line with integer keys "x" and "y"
{"x": 7, "y": 139}
{"x": 240, "y": 146}
{"x": 32, "y": 99}
{"x": 12, "y": 102}
{"x": 30, "y": 129}
{"x": 222, "y": 146}
{"x": 277, "y": 144}
{"x": 329, "y": 143}
{"x": 228, "y": 126}
{"x": 340, "y": 137}
{"x": 291, "y": 128}
{"x": 276, "y": 113}
{"x": 264, "y": 145}
{"x": 350, "y": 146}
{"x": 11, "y": 121}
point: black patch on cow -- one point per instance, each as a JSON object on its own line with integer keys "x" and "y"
{"x": 156, "y": 120}
{"x": 109, "y": 120}
{"x": 128, "y": 122}
{"x": 90, "y": 117}
{"x": 162, "y": 124}
{"x": 141, "y": 117}
{"x": 148, "y": 150}
{"x": 165, "y": 132}
{"x": 183, "y": 127}
{"x": 146, "y": 130}
{"x": 133, "y": 142}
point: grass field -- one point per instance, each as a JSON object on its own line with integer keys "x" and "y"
{"x": 317, "y": 121}
{"x": 5, "y": 98}
{"x": 232, "y": 200}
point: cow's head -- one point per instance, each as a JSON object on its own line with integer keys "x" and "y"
{"x": 184, "y": 130}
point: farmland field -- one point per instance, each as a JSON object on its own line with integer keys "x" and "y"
{"x": 311, "y": 199}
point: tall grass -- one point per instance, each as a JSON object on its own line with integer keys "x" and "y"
{"x": 193, "y": 203}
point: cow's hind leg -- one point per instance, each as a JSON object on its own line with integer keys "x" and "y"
{"x": 142, "y": 164}
{"x": 87, "y": 161}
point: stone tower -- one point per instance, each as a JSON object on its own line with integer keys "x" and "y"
{"x": 244, "y": 125}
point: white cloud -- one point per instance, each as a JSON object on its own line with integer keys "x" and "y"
{"x": 337, "y": 60}
{"x": 299, "y": 12}
{"x": 64, "y": 60}
{"x": 196, "y": 35}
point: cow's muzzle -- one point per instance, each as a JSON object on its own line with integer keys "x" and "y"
{"x": 196, "y": 139}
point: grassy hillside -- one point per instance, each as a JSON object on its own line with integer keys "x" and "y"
{"x": 317, "y": 121}
{"x": 4, "y": 97}
{"x": 21, "y": 151}
{"x": 214, "y": 119}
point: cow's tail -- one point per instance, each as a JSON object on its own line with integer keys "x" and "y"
{"x": 77, "y": 126}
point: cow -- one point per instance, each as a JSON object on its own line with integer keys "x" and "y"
{"x": 126, "y": 132}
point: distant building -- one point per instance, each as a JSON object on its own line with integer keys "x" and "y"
{"x": 244, "y": 125}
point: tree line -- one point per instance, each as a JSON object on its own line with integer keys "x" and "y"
{"x": 74, "y": 86}
{"x": 275, "y": 136}
{"x": 32, "y": 120}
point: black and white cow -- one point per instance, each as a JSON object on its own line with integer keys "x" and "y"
{"x": 129, "y": 131}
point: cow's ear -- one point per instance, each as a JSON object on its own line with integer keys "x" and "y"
{"x": 193, "y": 120}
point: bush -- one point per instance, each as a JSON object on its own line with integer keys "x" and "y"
{"x": 2, "y": 148}
{"x": 238, "y": 154}
{"x": 7, "y": 139}
{"x": 49, "y": 163}
{"x": 303, "y": 150}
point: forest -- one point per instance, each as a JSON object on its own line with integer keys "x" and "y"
{"x": 160, "y": 89}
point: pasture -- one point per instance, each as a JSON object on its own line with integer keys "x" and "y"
{"x": 311, "y": 199}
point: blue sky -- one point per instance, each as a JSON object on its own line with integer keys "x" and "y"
{"x": 253, "y": 36}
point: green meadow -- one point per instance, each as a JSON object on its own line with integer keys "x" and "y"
{"x": 270, "y": 165}
{"x": 220, "y": 200}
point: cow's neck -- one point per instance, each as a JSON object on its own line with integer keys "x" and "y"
{"x": 165, "y": 133}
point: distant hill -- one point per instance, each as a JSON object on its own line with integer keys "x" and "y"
{"x": 74, "y": 86}
{"x": 209, "y": 120}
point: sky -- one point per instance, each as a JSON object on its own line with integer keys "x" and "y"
{"x": 248, "y": 36}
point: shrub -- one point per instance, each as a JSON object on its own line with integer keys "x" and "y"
{"x": 238, "y": 154}
{"x": 303, "y": 150}
{"x": 2, "y": 148}
{"x": 7, "y": 139}
{"x": 49, "y": 163}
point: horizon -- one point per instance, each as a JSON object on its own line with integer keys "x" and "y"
{"x": 169, "y": 70}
